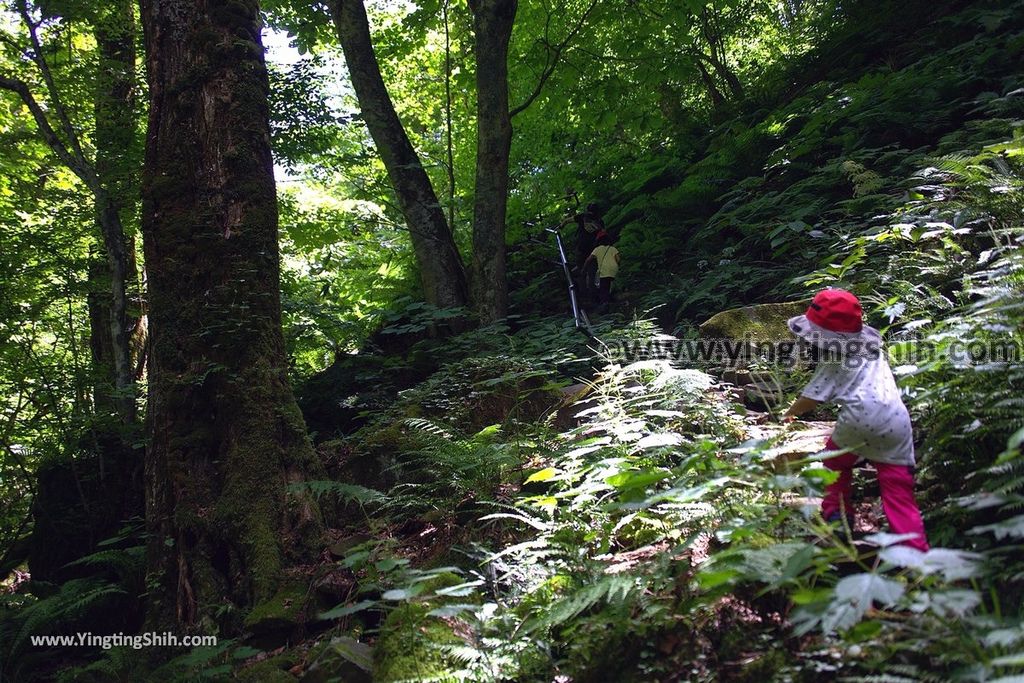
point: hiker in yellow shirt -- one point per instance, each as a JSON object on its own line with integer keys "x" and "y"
{"x": 607, "y": 258}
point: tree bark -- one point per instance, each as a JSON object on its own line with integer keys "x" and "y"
{"x": 492, "y": 27}
{"x": 226, "y": 436}
{"x": 441, "y": 269}
{"x": 101, "y": 348}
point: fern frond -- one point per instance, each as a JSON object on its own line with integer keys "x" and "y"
{"x": 339, "y": 490}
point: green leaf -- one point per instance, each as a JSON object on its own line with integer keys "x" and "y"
{"x": 452, "y": 610}
{"x": 714, "y": 578}
{"x": 865, "y": 630}
{"x": 461, "y": 590}
{"x": 542, "y": 475}
{"x": 390, "y": 564}
{"x": 1016, "y": 659}
{"x": 398, "y": 594}
{"x": 1008, "y": 528}
{"x": 807, "y": 596}
{"x": 637, "y": 479}
{"x": 344, "y": 611}
{"x": 853, "y": 596}
{"x": 352, "y": 650}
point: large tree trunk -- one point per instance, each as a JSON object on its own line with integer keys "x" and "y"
{"x": 226, "y": 437}
{"x": 492, "y": 26}
{"x": 441, "y": 269}
{"x": 114, "y": 197}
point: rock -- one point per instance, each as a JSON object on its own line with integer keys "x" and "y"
{"x": 332, "y": 586}
{"x": 798, "y": 440}
{"x": 573, "y": 402}
{"x": 765, "y": 395}
{"x": 760, "y": 323}
{"x": 411, "y": 646}
{"x": 285, "y": 613}
{"x": 754, "y": 333}
{"x": 481, "y": 391}
{"x": 412, "y": 643}
{"x": 342, "y": 546}
{"x": 738, "y": 377}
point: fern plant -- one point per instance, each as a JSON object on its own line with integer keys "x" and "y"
{"x": 58, "y": 614}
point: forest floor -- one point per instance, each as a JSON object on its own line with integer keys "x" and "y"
{"x": 434, "y": 537}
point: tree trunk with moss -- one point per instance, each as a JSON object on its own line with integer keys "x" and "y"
{"x": 440, "y": 265}
{"x": 226, "y": 437}
{"x": 492, "y": 28}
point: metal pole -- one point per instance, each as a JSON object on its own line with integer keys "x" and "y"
{"x": 569, "y": 281}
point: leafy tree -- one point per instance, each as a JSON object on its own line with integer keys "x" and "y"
{"x": 39, "y": 36}
{"x": 440, "y": 265}
{"x": 489, "y": 29}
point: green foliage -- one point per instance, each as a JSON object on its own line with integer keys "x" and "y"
{"x": 345, "y": 271}
{"x": 945, "y": 274}
{"x": 58, "y": 614}
{"x": 305, "y": 127}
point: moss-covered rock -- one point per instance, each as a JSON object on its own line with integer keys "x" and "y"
{"x": 759, "y": 323}
{"x": 412, "y": 643}
{"x": 481, "y": 391}
{"x": 411, "y": 646}
{"x": 286, "y": 611}
{"x": 273, "y": 670}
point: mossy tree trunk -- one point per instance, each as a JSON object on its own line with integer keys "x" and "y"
{"x": 440, "y": 265}
{"x": 226, "y": 437}
{"x": 492, "y": 29}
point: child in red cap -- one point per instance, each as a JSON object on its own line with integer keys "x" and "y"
{"x": 873, "y": 423}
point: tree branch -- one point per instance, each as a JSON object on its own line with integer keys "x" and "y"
{"x": 555, "y": 54}
{"x": 51, "y": 84}
{"x": 77, "y": 165}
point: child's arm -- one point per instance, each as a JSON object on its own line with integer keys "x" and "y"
{"x": 801, "y": 406}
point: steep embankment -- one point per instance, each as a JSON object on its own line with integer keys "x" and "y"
{"x": 773, "y": 192}
{"x": 664, "y": 536}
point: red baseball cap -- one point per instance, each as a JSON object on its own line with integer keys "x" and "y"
{"x": 836, "y": 310}
{"x": 834, "y": 315}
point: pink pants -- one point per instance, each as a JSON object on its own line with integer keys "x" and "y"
{"x": 897, "y": 485}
